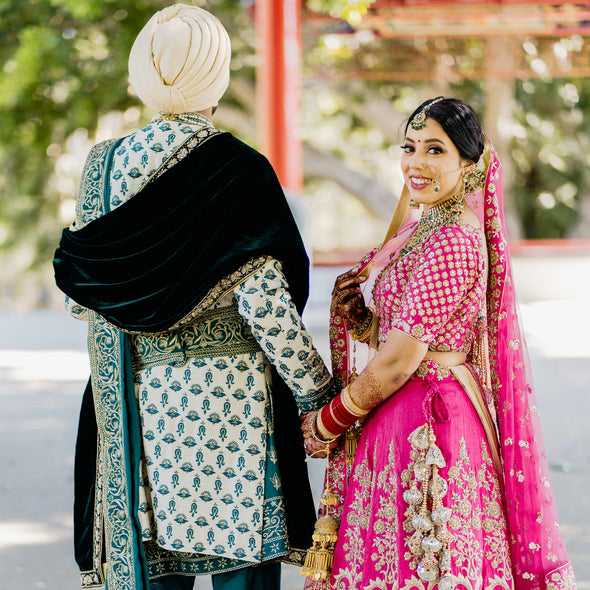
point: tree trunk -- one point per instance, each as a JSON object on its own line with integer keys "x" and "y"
{"x": 581, "y": 229}
{"x": 377, "y": 197}
{"x": 497, "y": 122}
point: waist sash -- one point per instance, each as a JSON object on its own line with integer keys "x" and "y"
{"x": 219, "y": 332}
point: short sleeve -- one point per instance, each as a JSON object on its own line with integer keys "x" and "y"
{"x": 434, "y": 294}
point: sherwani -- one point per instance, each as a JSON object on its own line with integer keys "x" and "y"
{"x": 211, "y": 496}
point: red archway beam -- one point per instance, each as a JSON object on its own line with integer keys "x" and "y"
{"x": 450, "y": 75}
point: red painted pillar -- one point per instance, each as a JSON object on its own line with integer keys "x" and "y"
{"x": 278, "y": 87}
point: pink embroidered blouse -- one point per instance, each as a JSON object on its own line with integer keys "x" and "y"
{"x": 435, "y": 292}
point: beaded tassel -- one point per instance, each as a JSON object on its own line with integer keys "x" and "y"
{"x": 481, "y": 353}
{"x": 320, "y": 556}
{"x": 353, "y": 434}
{"x": 427, "y": 517}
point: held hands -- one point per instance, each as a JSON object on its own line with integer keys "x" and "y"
{"x": 313, "y": 448}
{"x": 347, "y": 297}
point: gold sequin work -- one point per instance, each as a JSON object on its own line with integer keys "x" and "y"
{"x": 434, "y": 293}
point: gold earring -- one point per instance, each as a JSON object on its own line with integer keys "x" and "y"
{"x": 412, "y": 204}
{"x": 473, "y": 180}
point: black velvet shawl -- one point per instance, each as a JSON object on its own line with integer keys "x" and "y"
{"x": 146, "y": 264}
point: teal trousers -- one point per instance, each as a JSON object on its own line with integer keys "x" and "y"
{"x": 260, "y": 577}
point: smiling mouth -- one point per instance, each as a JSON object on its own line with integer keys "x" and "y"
{"x": 420, "y": 181}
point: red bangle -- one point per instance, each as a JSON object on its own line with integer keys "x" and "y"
{"x": 335, "y": 418}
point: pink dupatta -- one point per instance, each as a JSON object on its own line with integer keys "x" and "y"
{"x": 539, "y": 557}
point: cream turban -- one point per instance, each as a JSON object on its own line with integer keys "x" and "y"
{"x": 180, "y": 60}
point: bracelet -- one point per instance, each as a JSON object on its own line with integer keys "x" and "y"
{"x": 314, "y": 435}
{"x": 321, "y": 425}
{"x": 335, "y": 418}
{"x": 350, "y": 405}
{"x": 363, "y": 331}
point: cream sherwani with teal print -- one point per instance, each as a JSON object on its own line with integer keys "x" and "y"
{"x": 207, "y": 424}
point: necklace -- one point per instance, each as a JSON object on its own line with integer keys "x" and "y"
{"x": 439, "y": 215}
{"x": 445, "y": 213}
{"x": 190, "y": 118}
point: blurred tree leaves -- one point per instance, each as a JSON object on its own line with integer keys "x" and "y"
{"x": 64, "y": 66}
{"x": 551, "y": 154}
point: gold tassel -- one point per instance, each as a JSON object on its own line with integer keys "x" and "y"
{"x": 353, "y": 435}
{"x": 320, "y": 557}
{"x": 328, "y": 497}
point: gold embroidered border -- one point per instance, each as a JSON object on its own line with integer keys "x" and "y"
{"x": 196, "y": 139}
{"x": 106, "y": 362}
{"x": 95, "y": 578}
{"x": 221, "y": 289}
{"x": 218, "y": 332}
{"x": 89, "y": 202}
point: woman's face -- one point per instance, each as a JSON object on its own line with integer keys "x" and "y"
{"x": 429, "y": 155}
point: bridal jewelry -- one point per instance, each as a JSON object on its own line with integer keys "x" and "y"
{"x": 419, "y": 120}
{"x": 190, "y": 118}
{"x": 474, "y": 180}
{"x": 439, "y": 215}
{"x": 413, "y": 205}
{"x": 320, "y": 556}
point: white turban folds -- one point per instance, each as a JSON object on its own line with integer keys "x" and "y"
{"x": 180, "y": 60}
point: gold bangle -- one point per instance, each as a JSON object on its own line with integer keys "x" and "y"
{"x": 349, "y": 404}
{"x": 362, "y": 333}
{"x": 313, "y": 432}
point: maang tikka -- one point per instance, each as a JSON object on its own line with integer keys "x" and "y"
{"x": 419, "y": 120}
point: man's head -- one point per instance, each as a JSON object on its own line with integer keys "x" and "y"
{"x": 180, "y": 60}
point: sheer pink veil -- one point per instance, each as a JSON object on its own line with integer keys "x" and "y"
{"x": 539, "y": 558}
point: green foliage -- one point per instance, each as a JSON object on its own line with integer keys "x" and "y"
{"x": 550, "y": 152}
{"x": 64, "y": 64}
{"x": 351, "y": 10}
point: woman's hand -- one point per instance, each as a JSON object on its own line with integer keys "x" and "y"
{"x": 347, "y": 297}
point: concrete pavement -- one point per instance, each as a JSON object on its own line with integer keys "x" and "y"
{"x": 43, "y": 367}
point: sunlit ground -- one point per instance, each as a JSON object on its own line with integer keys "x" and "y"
{"x": 43, "y": 365}
{"x": 30, "y": 533}
{"x": 557, "y": 329}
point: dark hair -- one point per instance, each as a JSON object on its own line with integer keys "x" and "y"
{"x": 459, "y": 122}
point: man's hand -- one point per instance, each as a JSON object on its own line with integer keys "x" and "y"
{"x": 313, "y": 448}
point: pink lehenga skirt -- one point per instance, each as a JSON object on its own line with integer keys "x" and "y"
{"x": 377, "y": 539}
